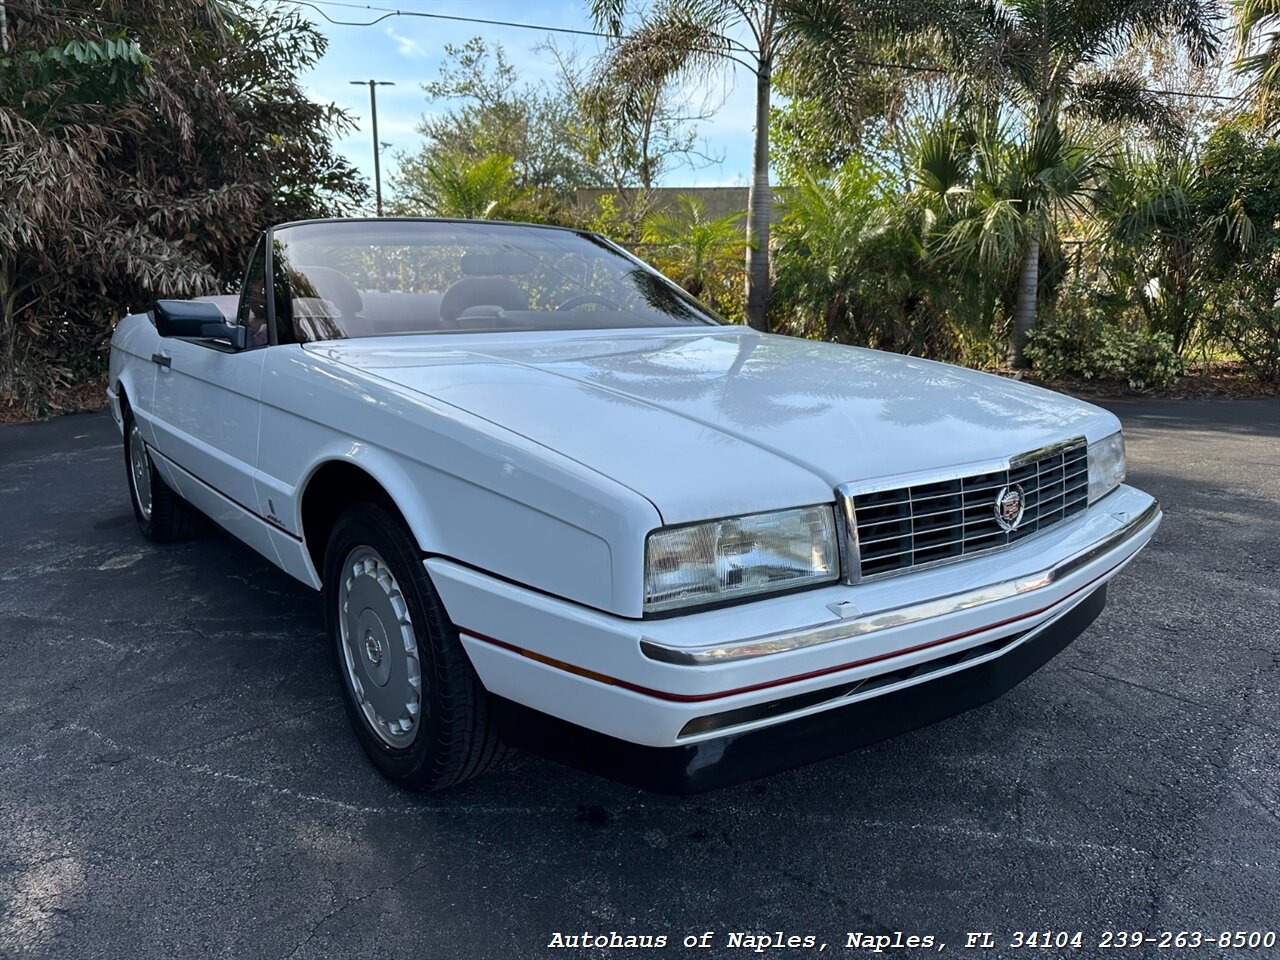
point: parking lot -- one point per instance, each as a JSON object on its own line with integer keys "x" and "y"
{"x": 177, "y": 778}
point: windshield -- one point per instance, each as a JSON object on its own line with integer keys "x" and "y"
{"x": 373, "y": 278}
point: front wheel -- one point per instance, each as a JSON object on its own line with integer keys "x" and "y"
{"x": 413, "y": 699}
{"x": 162, "y": 515}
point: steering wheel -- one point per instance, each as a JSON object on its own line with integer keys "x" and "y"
{"x": 584, "y": 299}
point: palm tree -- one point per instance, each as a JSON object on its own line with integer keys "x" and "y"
{"x": 695, "y": 37}
{"x": 1153, "y": 244}
{"x": 451, "y": 185}
{"x": 1170, "y": 232}
{"x": 933, "y": 272}
{"x": 1055, "y": 56}
{"x": 1022, "y": 186}
{"x": 695, "y": 250}
{"x": 846, "y": 271}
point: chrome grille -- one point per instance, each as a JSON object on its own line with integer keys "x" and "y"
{"x": 948, "y": 520}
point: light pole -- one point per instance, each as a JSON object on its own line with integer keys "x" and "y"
{"x": 373, "y": 109}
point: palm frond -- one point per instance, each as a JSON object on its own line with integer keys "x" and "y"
{"x": 1122, "y": 97}
{"x": 1258, "y": 54}
{"x": 609, "y": 14}
{"x": 448, "y": 185}
{"x": 695, "y": 249}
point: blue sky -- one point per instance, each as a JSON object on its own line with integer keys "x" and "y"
{"x": 408, "y": 51}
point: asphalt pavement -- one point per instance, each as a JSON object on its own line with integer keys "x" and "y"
{"x": 177, "y": 778}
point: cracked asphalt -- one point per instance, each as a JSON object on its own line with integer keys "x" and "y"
{"x": 177, "y": 778}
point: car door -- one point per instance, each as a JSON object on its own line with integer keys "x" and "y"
{"x": 206, "y": 410}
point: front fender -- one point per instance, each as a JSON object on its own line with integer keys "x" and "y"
{"x": 386, "y": 470}
{"x": 469, "y": 490}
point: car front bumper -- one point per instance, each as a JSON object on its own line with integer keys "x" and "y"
{"x": 726, "y": 760}
{"x": 696, "y": 683}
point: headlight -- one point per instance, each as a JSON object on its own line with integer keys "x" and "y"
{"x": 1106, "y": 466}
{"x": 739, "y": 557}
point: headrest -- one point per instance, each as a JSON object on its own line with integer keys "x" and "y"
{"x": 496, "y": 263}
{"x": 328, "y": 284}
{"x": 482, "y": 292}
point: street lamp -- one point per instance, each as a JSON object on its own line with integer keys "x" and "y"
{"x": 373, "y": 108}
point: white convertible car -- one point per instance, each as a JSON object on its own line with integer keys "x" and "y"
{"x": 549, "y": 499}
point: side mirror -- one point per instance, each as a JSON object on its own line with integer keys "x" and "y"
{"x": 196, "y": 318}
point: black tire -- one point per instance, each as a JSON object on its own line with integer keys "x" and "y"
{"x": 170, "y": 518}
{"x": 453, "y": 737}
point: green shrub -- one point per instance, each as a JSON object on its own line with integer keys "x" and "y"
{"x": 1092, "y": 339}
{"x": 128, "y": 175}
{"x": 1247, "y": 316}
{"x": 1143, "y": 358}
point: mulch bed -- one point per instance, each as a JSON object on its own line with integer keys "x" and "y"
{"x": 80, "y": 398}
{"x": 1226, "y": 380}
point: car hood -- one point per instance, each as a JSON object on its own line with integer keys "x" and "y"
{"x": 720, "y": 421}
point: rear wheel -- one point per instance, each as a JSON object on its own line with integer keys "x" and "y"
{"x": 162, "y": 515}
{"x": 413, "y": 699}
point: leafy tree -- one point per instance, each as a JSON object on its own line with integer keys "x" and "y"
{"x": 1238, "y": 212}
{"x": 273, "y": 45}
{"x": 495, "y": 114}
{"x": 1238, "y": 200}
{"x": 563, "y": 134}
{"x": 634, "y": 127}
{"x": 808, "y": 136}
{"x": 149, "y": 142}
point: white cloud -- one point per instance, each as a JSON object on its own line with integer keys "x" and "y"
{"x": 406, "y": 46}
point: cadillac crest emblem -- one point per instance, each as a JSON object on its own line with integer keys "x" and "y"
{"x": 1010, "y": 503}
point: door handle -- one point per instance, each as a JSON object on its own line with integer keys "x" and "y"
{"x": 161, "y": 360}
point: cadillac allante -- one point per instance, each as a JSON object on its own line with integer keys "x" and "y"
{"x": 549, "y": 499}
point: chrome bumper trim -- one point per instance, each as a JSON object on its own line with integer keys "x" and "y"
{"x": 898, "y": 616}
